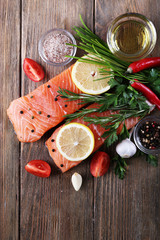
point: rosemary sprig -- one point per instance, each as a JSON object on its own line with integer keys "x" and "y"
{"x": 111, "y": 123}
{"x": 124, "y": 99}
{"x": 121, "y": 95}
{"x": 85, "y": 98}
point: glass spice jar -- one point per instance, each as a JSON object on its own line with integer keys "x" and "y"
{"x": 53, "y": 47}
{"x": 147, "y": 135}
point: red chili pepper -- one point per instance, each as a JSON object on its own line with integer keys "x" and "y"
{"x": 143, "y": 64}
{"x": 147, "y": 92}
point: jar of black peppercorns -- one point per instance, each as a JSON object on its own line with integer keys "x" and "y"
{"x": 147, "y": 135}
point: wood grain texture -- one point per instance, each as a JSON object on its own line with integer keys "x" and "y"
{"x": 9, "y": 145}
{"x": 32, "y": 208}
{"x": 50, "y": 208}
{"x": 127, "y": 209}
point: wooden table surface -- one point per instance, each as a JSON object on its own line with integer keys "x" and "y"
{"x": 32, "y": 208}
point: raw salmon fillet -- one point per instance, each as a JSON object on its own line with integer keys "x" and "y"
{"x": 37, "y": 112}
{"x": 97, "y": 130}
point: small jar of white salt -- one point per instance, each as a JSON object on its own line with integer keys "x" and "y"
{"x": 53, "y": 47}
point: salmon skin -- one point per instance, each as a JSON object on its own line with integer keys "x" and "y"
{"x": 42, "y": 109}
{"x": 97, "y": 130}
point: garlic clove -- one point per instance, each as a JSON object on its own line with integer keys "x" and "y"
{"x": 126, "y": 148}
{"x": 152, "y": 106}
{"x": 76, "y": 181}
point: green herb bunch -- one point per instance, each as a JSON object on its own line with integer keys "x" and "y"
{"x": 100, "y": 54}
{"x": 121, "y": 97}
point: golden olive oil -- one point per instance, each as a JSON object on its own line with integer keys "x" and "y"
{"x": 131, "y": 37}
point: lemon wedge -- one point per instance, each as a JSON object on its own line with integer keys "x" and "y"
{"x": 84, "y": 76}
{"x": 75, "y": 141}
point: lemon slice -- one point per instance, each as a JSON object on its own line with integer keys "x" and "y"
{"x": 85, "y": 74}
{"x": 75, "y": 141}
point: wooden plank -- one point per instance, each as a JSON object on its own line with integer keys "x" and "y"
{"x": 9, "y": 145}
{"x": 50, "y": 208}
{"x": 127, "y": 209}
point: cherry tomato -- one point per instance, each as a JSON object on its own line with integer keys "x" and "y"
{"x": 33, "y": 70}
{"x": 38, "y": 168}
{"x": 99, "y": 164}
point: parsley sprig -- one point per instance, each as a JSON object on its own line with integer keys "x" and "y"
{"x": 151, "y": 159}
{"x": 121, "y": 165}
{"x": 154, "y": 80}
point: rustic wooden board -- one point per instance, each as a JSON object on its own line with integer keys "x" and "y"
{"x": 35, "y": 208}
{"x": 127, "y": 209}
{"x": 9, "y": 145}
{"x": 50, "y": 208}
